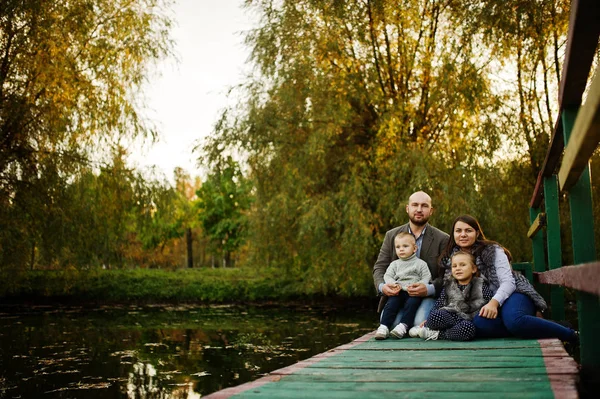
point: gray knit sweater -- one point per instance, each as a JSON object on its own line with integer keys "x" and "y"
{"x": 407, "y": 271}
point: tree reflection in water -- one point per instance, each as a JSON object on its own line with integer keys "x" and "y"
{"x": 161, "y": 351}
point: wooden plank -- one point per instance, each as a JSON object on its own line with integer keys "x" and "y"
{"x": 317, "y": 389}
{"x": 403, "y": 364}
{"x": 584, "y": 277}
{"x": 537, "y": 225}
{"x": 583, "y": 140}
{"x": 418, "y": 344}
{"x": 463, "y": 375}
{"x": 335, "y": 394}
{"x": 451, "y": 354}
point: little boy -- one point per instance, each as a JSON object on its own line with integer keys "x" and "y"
{"x": 406, "y": 270}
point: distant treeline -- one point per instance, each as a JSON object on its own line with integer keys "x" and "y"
{"x": 155, "y": 286}
{"x": 352, "y": 106}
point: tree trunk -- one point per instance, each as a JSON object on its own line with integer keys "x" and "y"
{"x": 32, "y": 255}
{"x": 190, "y": 255}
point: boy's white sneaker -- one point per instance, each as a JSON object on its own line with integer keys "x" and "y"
{"x": 424, "y": 333}
{"x": 382, "y": 332}
{"x": 399, "y": 331}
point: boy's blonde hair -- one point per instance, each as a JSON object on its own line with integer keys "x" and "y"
{"x": 403, "y": 234}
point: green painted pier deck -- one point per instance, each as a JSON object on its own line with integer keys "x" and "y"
{"x": 413, "y": 368}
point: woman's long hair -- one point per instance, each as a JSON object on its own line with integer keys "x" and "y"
{"x": 480, "y": 242}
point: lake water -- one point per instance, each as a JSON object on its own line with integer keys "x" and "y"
{"x": 161, "y": 351}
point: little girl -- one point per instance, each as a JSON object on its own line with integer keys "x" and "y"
{"x": 462, "y": 297}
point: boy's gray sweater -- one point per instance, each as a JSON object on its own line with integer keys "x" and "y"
{"x": 407, "y": 271}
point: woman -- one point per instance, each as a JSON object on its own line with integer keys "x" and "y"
{"x": 511, "y": 311}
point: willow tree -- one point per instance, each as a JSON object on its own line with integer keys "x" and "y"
{"x": 527, "y": 40}
{"x": 70, "y": 79}
{"x": 354, "y": 105}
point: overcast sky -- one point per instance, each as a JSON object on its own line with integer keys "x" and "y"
{"x": 185, "y": 101}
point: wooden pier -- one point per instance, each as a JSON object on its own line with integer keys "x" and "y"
{"x": 413, "y": 368}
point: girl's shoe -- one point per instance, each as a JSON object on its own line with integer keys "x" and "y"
{"x": 424, "y": 333}
{"x": 414, "y": 332}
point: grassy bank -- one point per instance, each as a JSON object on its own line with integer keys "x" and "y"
{"x": 154, "y": 286}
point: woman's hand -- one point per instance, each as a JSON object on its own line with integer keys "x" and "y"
{"x": 490, "y": 311}
{"x": 391, "y": 289}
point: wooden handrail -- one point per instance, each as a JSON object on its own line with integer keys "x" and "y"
{"x": 584, "y": 277}
{"x": 584, "y": 30}
{"x": 584, "y": 138}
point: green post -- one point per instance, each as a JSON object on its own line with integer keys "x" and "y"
{"x": 584, "y": 251}
{"x": 557, "y": 293}
{"x": 539, "y": 256}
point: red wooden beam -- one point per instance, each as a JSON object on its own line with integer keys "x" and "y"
{"x": 583, "y": 39}
{"x": 584, "y": 277}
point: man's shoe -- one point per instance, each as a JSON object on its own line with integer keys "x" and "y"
{"x": 382, "y": 332}
{"x": 399, "y": 331}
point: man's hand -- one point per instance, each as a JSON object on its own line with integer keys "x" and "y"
{"x": 391, "y": 289}
{"x": 417, "y": 290}
{"x": 490, "y": 311}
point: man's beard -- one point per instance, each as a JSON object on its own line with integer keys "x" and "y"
{"x": 421, "y": 222}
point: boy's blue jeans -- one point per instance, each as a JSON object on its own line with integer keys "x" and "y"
{"x": 408, "y": 304}
{"x": 422, "y": 312}
{"x": 517, "y": 318}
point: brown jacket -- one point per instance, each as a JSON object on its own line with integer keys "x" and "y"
{"x": 434, "y": 242}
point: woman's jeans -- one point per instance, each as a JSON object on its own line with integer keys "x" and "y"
{"x": 517, "y": 318}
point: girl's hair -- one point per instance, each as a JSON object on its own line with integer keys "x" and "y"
{"x": 463, "y": 252}
{"x": 480, "y": 242}
{"x": 471, "y": 258}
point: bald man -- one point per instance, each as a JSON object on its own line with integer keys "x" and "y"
{"x": 430, "y": 244}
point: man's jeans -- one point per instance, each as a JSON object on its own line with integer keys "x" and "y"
{"x": 422, "y": 312}
{"x": 517, "y": 318}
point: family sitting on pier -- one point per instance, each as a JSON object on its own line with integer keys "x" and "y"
{"x": 477, "y": 293}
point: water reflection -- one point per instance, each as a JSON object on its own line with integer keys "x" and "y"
{"x": 160, "y": 352}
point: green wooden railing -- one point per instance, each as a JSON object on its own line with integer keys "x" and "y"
{"x": 575, "y": 138}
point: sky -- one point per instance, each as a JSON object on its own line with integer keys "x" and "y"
{"x": 185, "y": 101}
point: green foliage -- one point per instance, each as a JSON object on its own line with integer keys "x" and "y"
{"x": 154, "y": 286}
{"x": 113, "y": 218}
{"x": 223, "y": 200}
